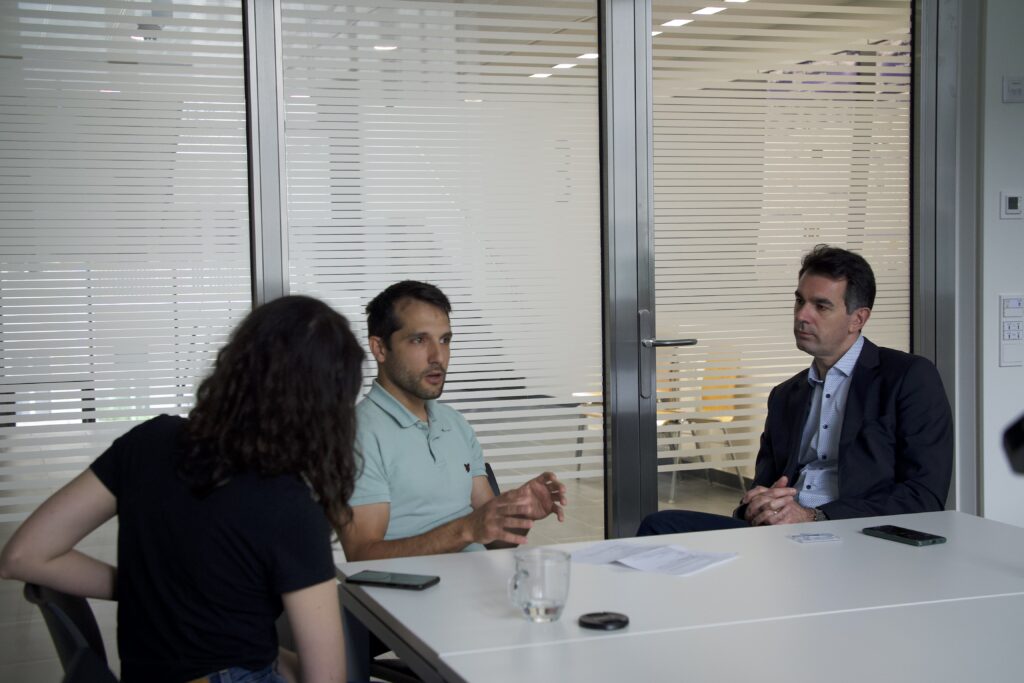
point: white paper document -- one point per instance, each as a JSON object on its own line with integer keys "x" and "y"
{"x": 660, "y": 559}
{"x": 606, "y": 552}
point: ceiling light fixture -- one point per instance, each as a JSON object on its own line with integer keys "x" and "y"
{"x": 588, "y": 55}
{"x": 678, "y": 22}
{"x": 563, "y": 66}
{"x": 710, "y": 10}
{"x": 656, "y": 33}
{"x": 385, "y": 48}
{"x": 539, "y": 75}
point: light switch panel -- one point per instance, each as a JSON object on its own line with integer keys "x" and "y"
{"x": 1011, "y": 330}
{"x": 1013, "y": 88}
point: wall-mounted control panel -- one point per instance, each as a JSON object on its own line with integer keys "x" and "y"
{"x": 1011, "y": 205}
{"x": 1013, "y": 88}
{"x": 1011, "y": 330}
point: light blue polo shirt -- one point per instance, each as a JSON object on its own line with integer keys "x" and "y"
{"x": 424, "y": 470}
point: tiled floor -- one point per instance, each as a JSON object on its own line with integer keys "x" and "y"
{"x": 27, "y": 654}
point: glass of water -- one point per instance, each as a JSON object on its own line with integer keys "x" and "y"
{"x": 540, "y": 585}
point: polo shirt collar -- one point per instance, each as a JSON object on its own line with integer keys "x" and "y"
{"x": 844, "y": 365}
{"x": 393, "y": 407}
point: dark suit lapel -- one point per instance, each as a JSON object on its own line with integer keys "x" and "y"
{"x": 863, "y": 375}
{"x": 798, "y": 406}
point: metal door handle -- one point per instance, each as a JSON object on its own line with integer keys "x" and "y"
{"x": 647, "y": 341}
{"x": 658, "y": 343}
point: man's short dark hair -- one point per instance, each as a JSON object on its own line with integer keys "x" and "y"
{"x": 840, "y": 264}
{"x": 381, "y": 317}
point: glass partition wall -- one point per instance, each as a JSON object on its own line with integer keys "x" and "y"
{"x": 458, "y": 144}
{"x": 451, "y": 142}
{"x": 124, "y": 235}
{"x": 777, "y": 126}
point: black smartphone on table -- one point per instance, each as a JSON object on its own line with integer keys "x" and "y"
{"x": 413, "y": 582}
{"x": 903, "y": 535}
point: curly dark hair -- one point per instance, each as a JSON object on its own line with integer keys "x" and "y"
{"x": 840, "y": 264}
{"x": 280, "y": 400}
{"x": 382, "y": 319}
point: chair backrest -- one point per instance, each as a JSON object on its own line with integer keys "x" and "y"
{"x": 491, "y": 479}
{"x": 71, "y": 624}
{"x": 87, "y": 667}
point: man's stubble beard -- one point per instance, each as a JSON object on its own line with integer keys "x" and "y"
{"x": 414, "y": 385}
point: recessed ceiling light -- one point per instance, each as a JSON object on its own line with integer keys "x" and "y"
{"x": 385, "y": 48}
{"x": 588, "y": 55}
{"x": 300, "y": 97}
{"x": 563, "y": 66}
{"x": 678, "y": 22}
{"x": 656, "y": 33}
{"x": 539, "y": 75}
{"x": 138, "y": 38}
{"x": 735, "y": 0}
{"x": 710, "y": 10}
{"x": 472, "y": 101}
{"x": 110, "y": 91}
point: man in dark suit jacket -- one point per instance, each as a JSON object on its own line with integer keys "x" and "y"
{"x": 894, "y": 453}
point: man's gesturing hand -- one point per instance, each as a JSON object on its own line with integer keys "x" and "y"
{"x": 543, "y": 494}
{"x": 505, "y": 519}
{"x": 509, "y": 517}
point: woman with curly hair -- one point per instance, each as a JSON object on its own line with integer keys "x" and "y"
{"x": 225, "y": 517}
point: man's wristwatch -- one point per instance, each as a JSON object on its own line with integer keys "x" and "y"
{"x": 819, "y": 516}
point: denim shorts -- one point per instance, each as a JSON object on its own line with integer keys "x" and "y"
{"x": 237, "y": 674}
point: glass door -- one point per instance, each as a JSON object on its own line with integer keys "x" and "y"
{"x": 776, "y": 126}
{"x": 458, "y": 144}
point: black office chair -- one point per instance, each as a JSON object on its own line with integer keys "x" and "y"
{"x": 75, "y": 634}
{"x": 491, "y": 479}
{"x": 395, "y": 670}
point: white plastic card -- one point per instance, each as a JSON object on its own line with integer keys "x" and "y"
{"x": 823, "y": 537}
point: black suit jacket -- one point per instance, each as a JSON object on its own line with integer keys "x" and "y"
{"x": 896, "y": 447}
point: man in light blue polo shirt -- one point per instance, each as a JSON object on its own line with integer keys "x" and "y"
{"x": 422, "y": 488}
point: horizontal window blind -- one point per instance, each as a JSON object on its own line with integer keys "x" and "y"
{"x": 124, "y": 247}
{"x": 777, "y": 126}
{"x": 458, "y": 144}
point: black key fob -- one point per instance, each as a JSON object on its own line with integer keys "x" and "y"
{"x": 604, "y": 621}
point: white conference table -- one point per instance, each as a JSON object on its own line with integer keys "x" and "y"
{"x": 857, "y": 607}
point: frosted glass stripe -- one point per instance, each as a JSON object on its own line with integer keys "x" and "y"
{"x": 124, "y": 243}
{"x": 777, "y": 125}
{"x": 442, "y": 160}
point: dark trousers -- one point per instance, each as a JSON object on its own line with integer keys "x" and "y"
{"x": 684, "y": 521}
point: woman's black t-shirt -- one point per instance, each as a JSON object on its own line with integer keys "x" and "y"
{"x": 200, "y": 580}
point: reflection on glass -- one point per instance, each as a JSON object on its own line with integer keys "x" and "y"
{"x": 777, "y": 126}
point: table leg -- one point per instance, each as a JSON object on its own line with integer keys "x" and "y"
{"x": 357, "y": 648}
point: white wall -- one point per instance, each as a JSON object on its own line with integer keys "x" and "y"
{"x": 1002, "y": 255}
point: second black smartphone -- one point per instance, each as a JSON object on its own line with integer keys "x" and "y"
{"x": 414, "y": 582}
{"x": 903, "y": 535}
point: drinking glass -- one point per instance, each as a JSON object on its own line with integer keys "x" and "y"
{"x": 540, "y": 585}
